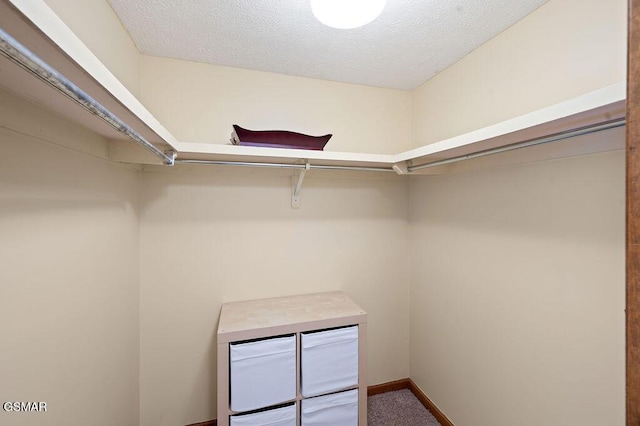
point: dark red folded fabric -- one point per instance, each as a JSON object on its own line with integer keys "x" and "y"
{"x": 279, "y": 139}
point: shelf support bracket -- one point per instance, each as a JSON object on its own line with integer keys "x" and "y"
{"x": 401, "y": 168}
{"x": 296, "y": 185}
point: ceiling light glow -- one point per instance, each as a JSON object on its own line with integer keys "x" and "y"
{"x": 346, "y": 14}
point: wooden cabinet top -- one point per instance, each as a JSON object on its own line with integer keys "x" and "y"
{"x": 267, "y": 317}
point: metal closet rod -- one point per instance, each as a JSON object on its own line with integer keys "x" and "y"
{"x": 23, "y": 57}
{"x": 594, "y": 128}
{"x": 582, "y": 131}
{"x": 284, "y": 165}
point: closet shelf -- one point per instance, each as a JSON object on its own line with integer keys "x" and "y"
{"x": 606, "y": 105}
{"x": 220, "y": 152}
{"x": 37, "y": 27}
{"x": 34, "y": 25}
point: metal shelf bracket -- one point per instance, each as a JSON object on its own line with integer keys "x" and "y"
{"x": 296, "y": 185}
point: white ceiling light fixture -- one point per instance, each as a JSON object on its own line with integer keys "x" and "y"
{"x": 346, "y": 14}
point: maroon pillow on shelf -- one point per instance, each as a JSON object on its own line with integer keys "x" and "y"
{"x": 277, "y": 139}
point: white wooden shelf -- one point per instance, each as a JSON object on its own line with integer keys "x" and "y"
{"x": 39, "y": 29}
{"x": 603, "y": 105}
{"x": 600, "y": 106}
{"x": 200, "y": 151}
{"x": 36, "y": 26}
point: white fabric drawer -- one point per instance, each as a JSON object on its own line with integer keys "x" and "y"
{"x": 283, "y": 416}
{"x": 334, "y": 409}
{"x": 329, "y": 360}
{"x": 263, "y": 373}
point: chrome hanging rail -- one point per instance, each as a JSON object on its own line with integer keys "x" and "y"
{"x": 23, "y": 57}
{"x": 284, "y": 165}
{"x": 240, "y": 163}
{"x": 582, "y": 131}
{"x": 608, "y": 125}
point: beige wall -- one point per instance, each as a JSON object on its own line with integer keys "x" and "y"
{"x": 564, "y": 49}
{"x": 517, "y": 293}
{"x": 69, "y": 256}
{"x": 212, "y": 235}
{"x": 98, "y": 26}
{"x": 530, "y": 329}
{"x": 517, "y": 274}
{"x": 516, "y": 278}
{"x": 199, "y": 103}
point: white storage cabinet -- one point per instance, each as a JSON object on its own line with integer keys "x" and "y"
{"x": 298, "y": 360}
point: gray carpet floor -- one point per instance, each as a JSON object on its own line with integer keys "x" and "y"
{"x": 398, "y": 408}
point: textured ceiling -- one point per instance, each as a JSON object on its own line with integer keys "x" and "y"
{"x": 407, "y": 44}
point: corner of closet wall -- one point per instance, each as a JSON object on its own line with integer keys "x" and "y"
{"x": 97, "y": 25}
{"x": 518, "y": 292}
{"x": 70, "y": 271}
{"x": 199, "y": 102}
{"x": 564, "y": 49}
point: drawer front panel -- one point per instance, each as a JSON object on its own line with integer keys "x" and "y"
{"x": 283, "y": 416}
{"x": 329, "y": 360}
{"x": 263, "y": 373}
{"x": 334, "y": 409}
